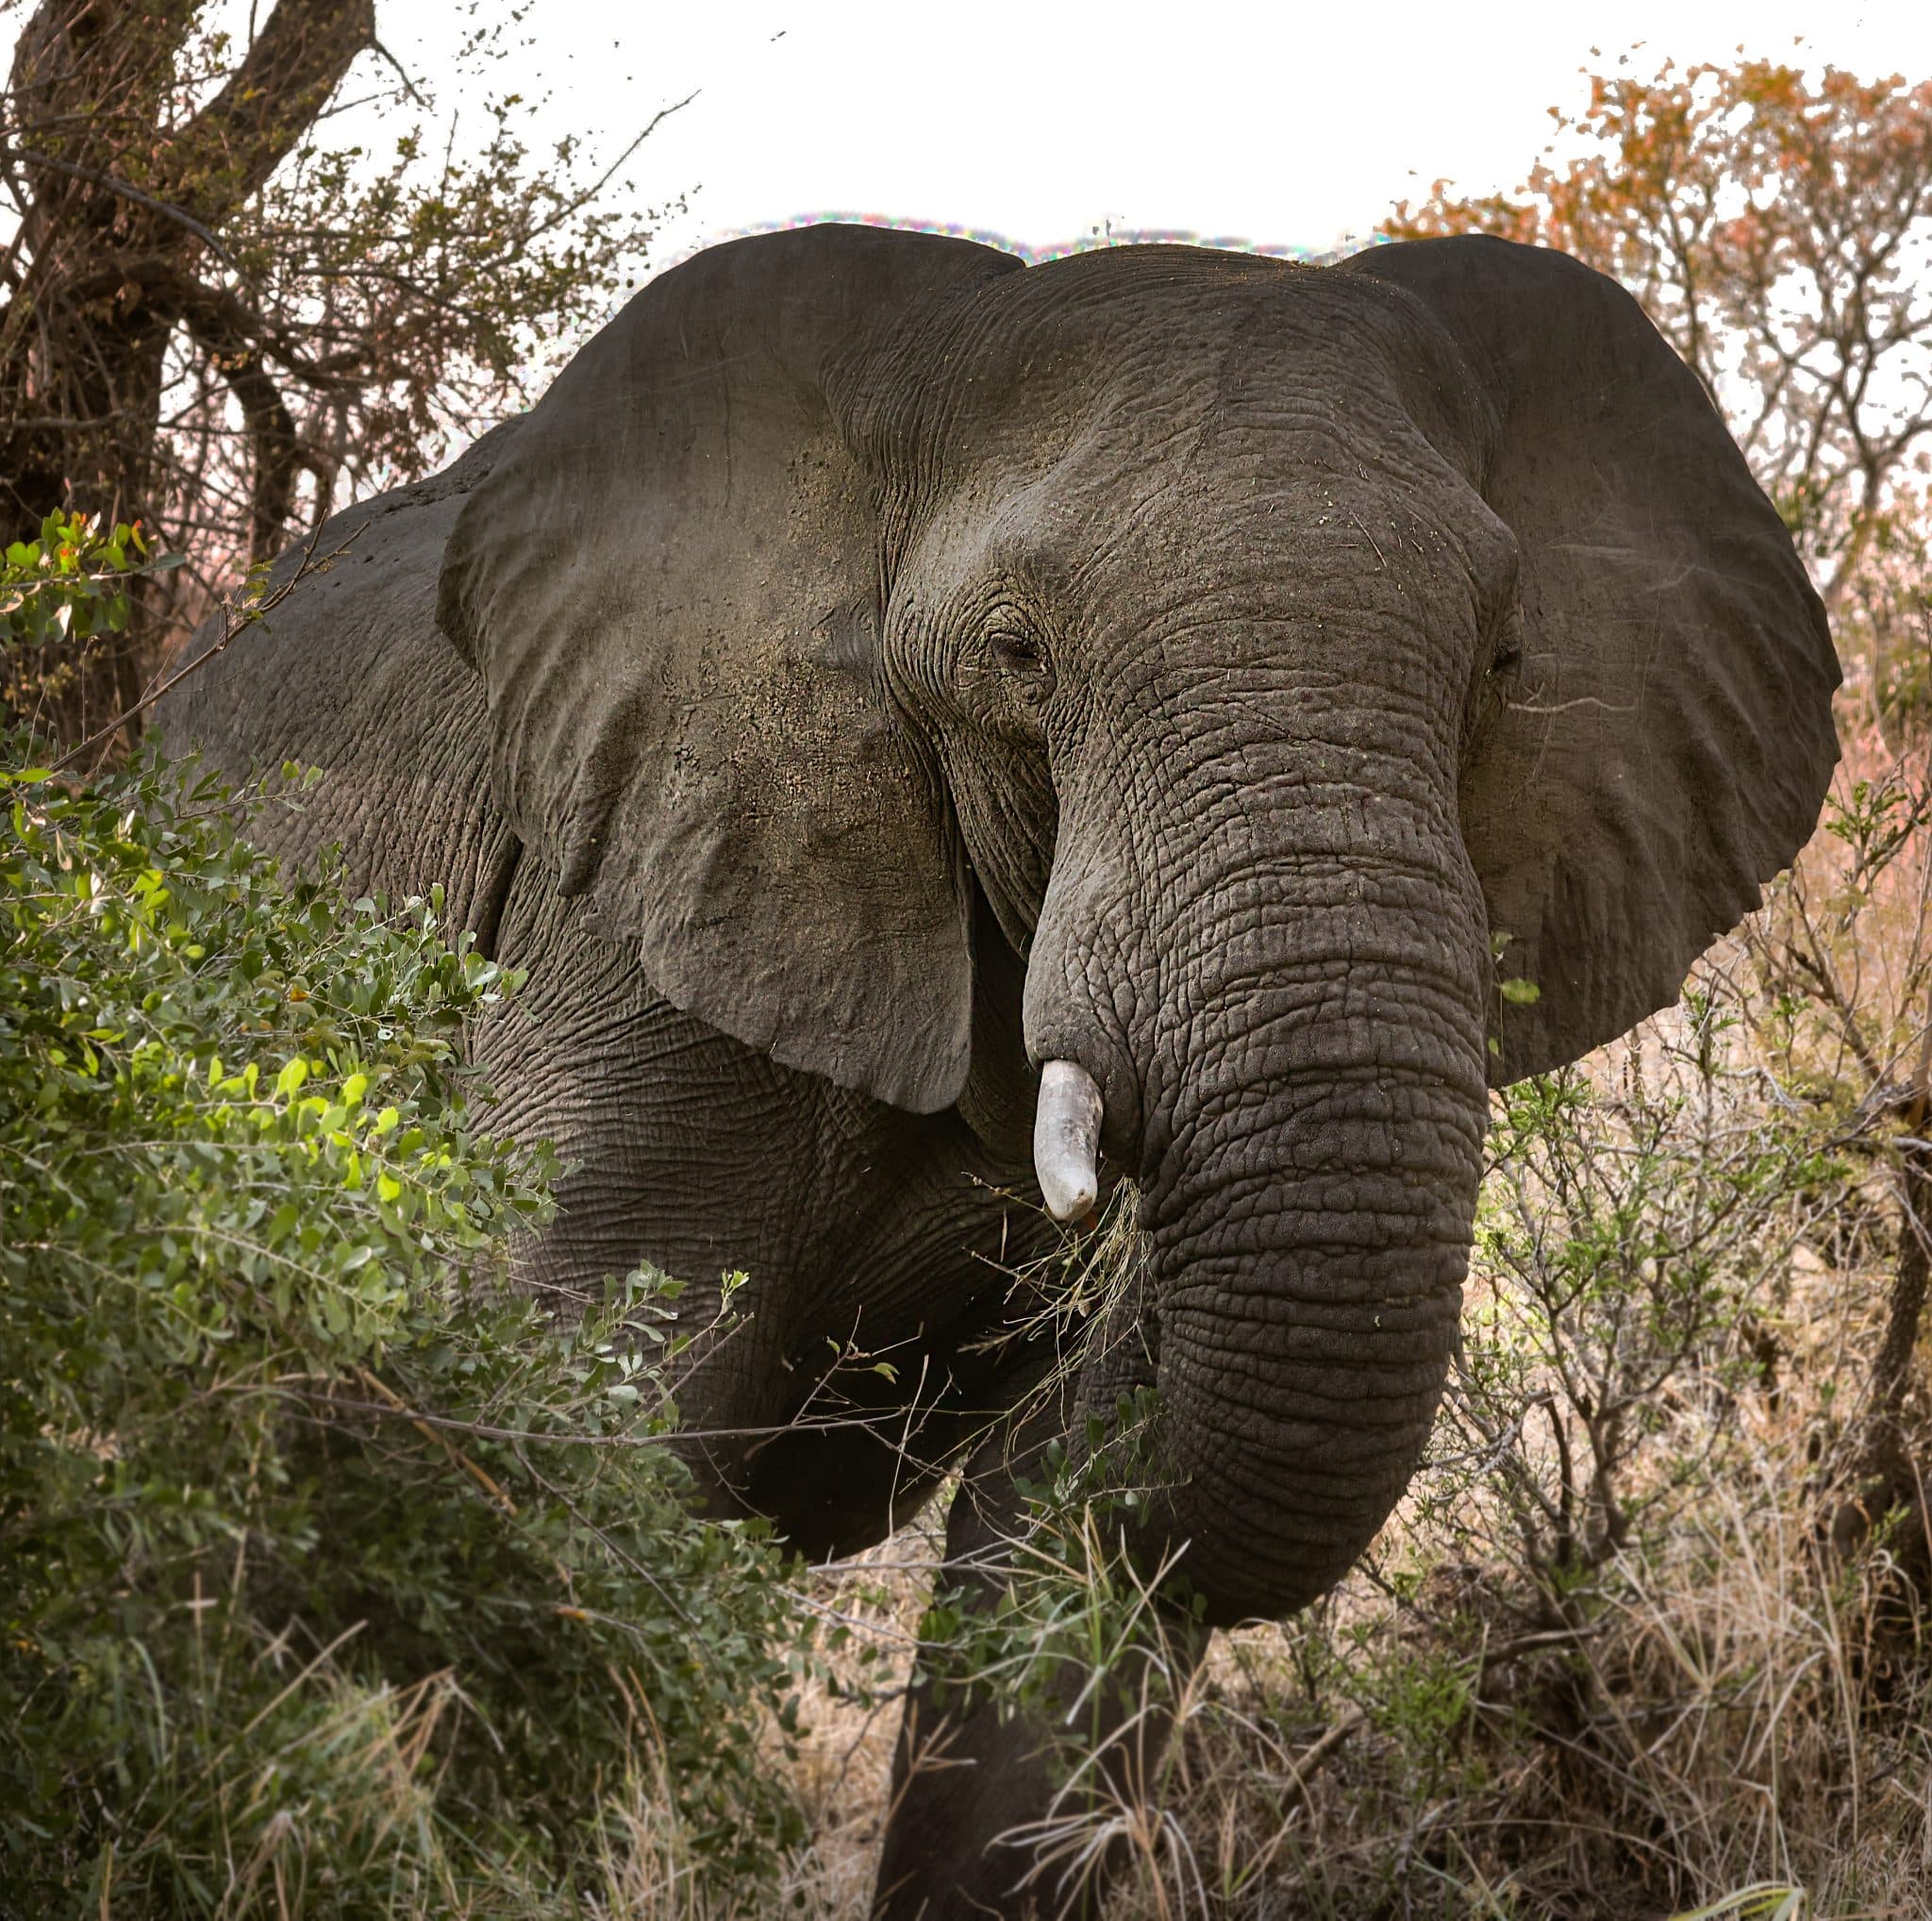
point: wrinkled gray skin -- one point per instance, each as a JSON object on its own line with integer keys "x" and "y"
{"x": 874, "y": 670}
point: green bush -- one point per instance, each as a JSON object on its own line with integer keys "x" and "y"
{"x": 336, "y": 1577}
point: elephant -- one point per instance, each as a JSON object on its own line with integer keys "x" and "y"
{"x": 927, "y": 724}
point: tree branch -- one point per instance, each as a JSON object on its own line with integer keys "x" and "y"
{"x": 234, "y": 618}
{"x": 125, "y": 192}
{"x": 228, "y": 150}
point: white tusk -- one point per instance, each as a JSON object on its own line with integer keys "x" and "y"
{"x": 1066, "y": 1139}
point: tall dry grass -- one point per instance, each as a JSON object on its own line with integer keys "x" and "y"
{"x": 1741, "y": 1710}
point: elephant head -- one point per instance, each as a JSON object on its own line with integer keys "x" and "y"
{"x": 1251, "y": 651}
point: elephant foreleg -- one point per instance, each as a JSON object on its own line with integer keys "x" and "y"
{"x": 1006, "y": 1811}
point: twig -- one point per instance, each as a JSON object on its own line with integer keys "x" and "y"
{"x": 569, "y": 206}
{"x": 486, "y": 1431}
{"x": 480, "y": 1475}
{"x": 857, "y": 1623}
{"x": 615, "y": 1549}
{"x": 1305, "y": 1763}
{"x": 402, "y": 73}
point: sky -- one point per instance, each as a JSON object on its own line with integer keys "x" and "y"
{"x": 1038, "y": 122}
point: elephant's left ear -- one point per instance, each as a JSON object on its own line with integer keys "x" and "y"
{"x": 1661, "y": 743}
{"x": 670, "y": 588}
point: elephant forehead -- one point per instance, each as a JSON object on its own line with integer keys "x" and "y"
{"x": 1216, "y": 518}
{"x": 1220, "y": 332}
{"x": 1183, "y": 407}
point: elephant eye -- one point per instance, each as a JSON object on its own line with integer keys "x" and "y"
{"x": 1025, "y": 657}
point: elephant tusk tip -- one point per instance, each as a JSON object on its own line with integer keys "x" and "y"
{"x": 1066, "y": 1140}
{"x": 1070, "y": 1205}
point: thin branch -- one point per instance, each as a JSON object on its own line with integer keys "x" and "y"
{"x": 377, "y": 47}
{"x": 669, "y": 1438}
{"x": 165, "y": 208}
{"x": 566, "y": 208}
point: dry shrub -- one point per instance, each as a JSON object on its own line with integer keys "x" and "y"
{"x": 1734, "y": 1708}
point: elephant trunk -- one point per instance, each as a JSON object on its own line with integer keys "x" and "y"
{"x": 1308, "y": 1231}
{"x": 1303, "y": 1098}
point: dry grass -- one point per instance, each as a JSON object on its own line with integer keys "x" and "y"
{"x": 1735, "y": 1711}
{"x": 1740, "y": 1711}
{"x": 841, "y": 1770}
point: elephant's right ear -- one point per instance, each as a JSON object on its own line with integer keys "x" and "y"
{"x": 670, "y": 589}
{"x": 1659, "y": 746}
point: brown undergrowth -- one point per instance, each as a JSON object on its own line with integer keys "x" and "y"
{"x": 1737, "y": 1710}
{"x": 1724, "y": 1704}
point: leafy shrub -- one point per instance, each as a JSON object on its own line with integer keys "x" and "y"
{"x": 336, "y": 1577}
{"x": 89, "y": 570}
{"x": 60, "y": 595}
{"x": 1633, "y": 1260}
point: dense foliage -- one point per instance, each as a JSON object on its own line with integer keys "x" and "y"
{"x": 335, "y": 1572}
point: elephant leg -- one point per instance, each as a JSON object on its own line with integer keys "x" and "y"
{"x": 982, "y": 1794}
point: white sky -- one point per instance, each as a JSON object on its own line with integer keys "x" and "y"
{"x": 1037, "y": 121}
